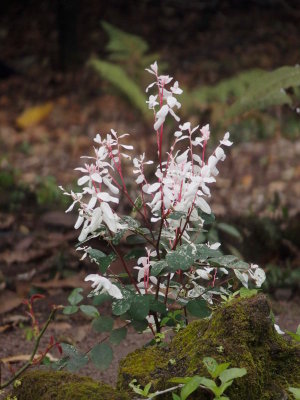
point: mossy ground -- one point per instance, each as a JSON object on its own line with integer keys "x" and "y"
{"x": 240, "y": 332}
{"x": 48, "y": 385}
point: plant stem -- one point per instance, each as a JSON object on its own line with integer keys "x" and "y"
{"x": 35, "y": 349}
{"x": 125, "y": 267}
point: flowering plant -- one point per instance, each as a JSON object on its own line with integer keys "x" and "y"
{"x": 174, "y": 275}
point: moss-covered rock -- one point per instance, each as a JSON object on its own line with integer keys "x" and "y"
{"x": 49, "y": 385}
{"x": 240, "y": 332}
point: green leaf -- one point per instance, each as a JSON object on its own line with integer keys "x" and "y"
{"x": 267, "y": 90}
{"x": 101, "y": 355}
{"x": 140, "y": 326}
{"x": 131, "y": 222}
{"x": 210, "y": 384}
{"x": 90, "y": 311}
{"x": 138, "y": 204}
{"x": 147, "y": 388}
{"x": 210, "y": 364}
{"x": 180, "y": 380}
{"x": 139, "y": 308}
{"x": 95, "y": 254}
{"x": 123, "y": 42}
{"x": 157, "y": 267}
{"x": 117, "y": 237}
{"x": 134, "y": 254}
{"x": 75, "y": 297}
{"x": 101, "y": 298}
{"x": 103, "y": 324}
{"x": 295, "y": 336}
{"x": 220, "y": 368}
{"x": 223, "y": 261}
{"x": 175, "y": 396}
{"x": 241, "y": 265}
{"x": 101, "y": 259}
{"x": 180, "y": 259}
{"x": 190, "y": 387}
{"x": 198, "y": 308}
{"x": 68, "y": 310}
{"x": 203, "y": 252}
{"x": 135, "y": 239}
{"x": 295, "y": 391}
{"x": 232, "y": 373}
{"x": 120, "y": 307}
{"x": 106, "y": 261}
{"x": 177, "y": 215}
{"x": 221, "y": 389}
{"x": 245, "y": 293}
{"x": 74, "y": 360}
{"x": 208, "y": 218}
{"x": 230, "y": 230}
{"x": 117, "y": 335}
{"x": 157, "y": 306}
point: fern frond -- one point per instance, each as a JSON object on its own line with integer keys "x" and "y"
{"x": 122, "y": 44}
{"x": 267, "y": 90}
{"x": 119, "y": 79}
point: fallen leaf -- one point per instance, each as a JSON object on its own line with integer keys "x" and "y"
{"x": 81, "y": 332}
{"x": 15, "y": 319}
{"x": 34, "y": 115}
{"x": 24, "y": 357}
{"x": 247, "y": 180}
{"x": 61, "y": 326}
{"x": 4, "y": 328}
{"x": 8, "y": 301}
{"x": 6, "y": 221}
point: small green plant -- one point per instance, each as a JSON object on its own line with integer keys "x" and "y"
{"x": 296, "y": 392}
{"x": 222, "y": 378}
{"x": 295, "y": 336}
{"x": 143, "y": 392}
{"x": 250, "y": 90}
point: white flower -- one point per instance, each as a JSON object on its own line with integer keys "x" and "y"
{"x": 205, "y": 132}
{"x": 152, "y": 102}
{"x": 176, "y": 89}
{"x": 242, "y": 277}
{"x": 278, "y": 330}
{"x": 257, "y": 274}
{"x": 154, "y": 68}
{"x": 225, "y": 140}
{"x": 103, "y": 285}
{"x": 204, "y": 273}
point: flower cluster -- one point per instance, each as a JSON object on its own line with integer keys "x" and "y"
{"x": 100, "y": 187}
{"x": 171, "y": 212}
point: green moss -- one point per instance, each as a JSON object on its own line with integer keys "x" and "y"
{"x": 147, "y": 362}
{"x": 48, "y": 385}
{"x": 244, "y": 330}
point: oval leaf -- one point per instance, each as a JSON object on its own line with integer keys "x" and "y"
{"x": 75, "y": 297}
{"x": 117, "y": 335}
{"x": 103, "y": 324}
{"x": 198, "y": 308}
{"x": 101, "y": 355}
{"x": 90, "y": 311}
